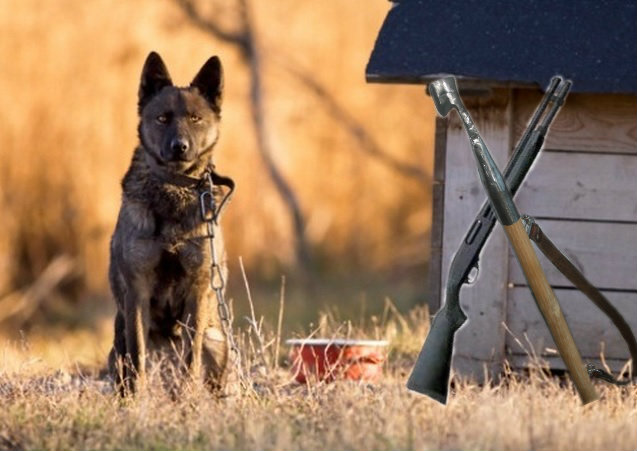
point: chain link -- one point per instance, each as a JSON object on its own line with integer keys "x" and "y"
{"x": 209, "y": 214}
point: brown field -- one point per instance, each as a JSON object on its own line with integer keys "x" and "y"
{"x": 68, "y": 107}
{"x": 49, "y": 402}
{"x": 69, "y": 83}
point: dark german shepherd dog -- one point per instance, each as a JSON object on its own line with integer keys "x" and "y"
{"x": 160, "y": 260}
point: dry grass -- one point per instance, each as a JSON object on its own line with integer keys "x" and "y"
{"x": 48, "y": 408}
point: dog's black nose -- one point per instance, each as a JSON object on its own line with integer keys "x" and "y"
{"x": 179, "y": 146}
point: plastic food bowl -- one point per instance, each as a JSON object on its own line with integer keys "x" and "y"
{"x": 330, "y": 359}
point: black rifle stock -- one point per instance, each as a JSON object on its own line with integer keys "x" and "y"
{"x": 430, "y": 375}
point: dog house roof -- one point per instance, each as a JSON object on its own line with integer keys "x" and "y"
{"x": 592, "y": 42}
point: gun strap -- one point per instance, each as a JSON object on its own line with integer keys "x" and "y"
{"x": 570, "y": 271}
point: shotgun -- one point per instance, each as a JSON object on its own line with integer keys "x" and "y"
{"x": 444, "y": 93}
{"x": 430, "y": 375}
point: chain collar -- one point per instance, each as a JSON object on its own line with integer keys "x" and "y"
{"x": 210, "y": 213}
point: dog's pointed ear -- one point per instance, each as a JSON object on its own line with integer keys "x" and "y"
{"x": 154, "y": 77}
{"x": 209, "y": 82}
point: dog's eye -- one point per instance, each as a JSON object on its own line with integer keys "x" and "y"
{"x": 162, "y": 118}
{"x": 194, "y": 118}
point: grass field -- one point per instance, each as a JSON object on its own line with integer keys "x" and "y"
{"x": 50, "y": 401}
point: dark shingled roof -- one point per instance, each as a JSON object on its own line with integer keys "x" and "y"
{"x": 592, "y": 42}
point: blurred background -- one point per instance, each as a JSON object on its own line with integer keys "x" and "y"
{"x": 333, "y": 174}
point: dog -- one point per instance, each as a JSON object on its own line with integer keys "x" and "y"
{"x": 160, "y": 260}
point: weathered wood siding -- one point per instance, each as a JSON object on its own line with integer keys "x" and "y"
{"x": 583, "y": 192}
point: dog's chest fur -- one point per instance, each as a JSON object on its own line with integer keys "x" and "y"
{"x": 171, "y": 205}
{"x": 170, "y": 226}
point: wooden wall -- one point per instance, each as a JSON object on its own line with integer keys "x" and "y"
{"x": 582, "y": 190}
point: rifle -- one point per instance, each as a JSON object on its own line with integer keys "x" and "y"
{"x": 444, "y": 93}
{"x": 430, "y": 375}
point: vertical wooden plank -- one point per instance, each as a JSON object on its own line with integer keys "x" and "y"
{"x": 481, "y": 341}
{"x": 437, "y": 223}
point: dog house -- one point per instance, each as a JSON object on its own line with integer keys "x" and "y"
{"x": 582, "y": 189}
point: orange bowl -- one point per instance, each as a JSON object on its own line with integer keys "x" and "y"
{"x": 330, "y": 359}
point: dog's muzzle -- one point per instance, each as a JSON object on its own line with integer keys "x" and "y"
{"x": 178, "y": 149}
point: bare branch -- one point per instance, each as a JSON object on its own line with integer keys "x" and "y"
{"x": 365, "y": 140}
{"x": 282, "y": 186}
{"x": 210, "y": 26}
{"x": 247, "y": 44}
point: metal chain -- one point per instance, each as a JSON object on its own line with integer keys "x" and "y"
{"x": 209, "y": 214}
